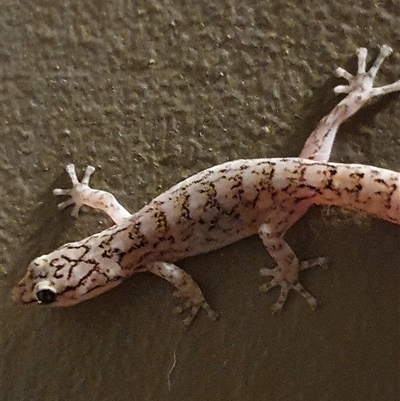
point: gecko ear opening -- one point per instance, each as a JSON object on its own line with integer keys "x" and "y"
{"x": 45, "y": 293}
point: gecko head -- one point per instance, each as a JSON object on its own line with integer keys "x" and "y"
{"x": 60, "y": 280}
{"x": 37, "y": 287}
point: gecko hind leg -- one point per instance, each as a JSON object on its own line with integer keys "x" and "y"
{"x": 359, "y": 90}
{"x": 279, "y": 277}
{"x": 364, "y": 80}
{"x": 286, "y": 273}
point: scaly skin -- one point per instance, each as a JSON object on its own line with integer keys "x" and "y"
{"x": 215, "y": 208}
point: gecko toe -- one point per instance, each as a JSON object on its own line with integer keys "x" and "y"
{"x": 286, "y": 277}
{"x": 318, "y": 262}
{"x": 265, "y": 287}
{"x": 193, "y": 309}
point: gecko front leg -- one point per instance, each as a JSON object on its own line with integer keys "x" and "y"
{"x": 186, "y": 288}
{"x": 81, "y": 194}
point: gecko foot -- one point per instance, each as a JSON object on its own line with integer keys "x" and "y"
{"x": 185, "y": 287}
{"x": 363, "y": 81}
{"x": 193, "y": 308}
{"x": 78, "y": 190}
{"x": 287, "y": 278}
{"x": 81, "y": 194}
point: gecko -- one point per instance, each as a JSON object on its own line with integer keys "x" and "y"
{"x": 217, "y": 207}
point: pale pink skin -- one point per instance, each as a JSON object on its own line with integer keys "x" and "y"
{"x": 217, "y": 207}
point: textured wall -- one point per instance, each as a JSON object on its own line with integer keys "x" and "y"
{"x": 152, "y": 91}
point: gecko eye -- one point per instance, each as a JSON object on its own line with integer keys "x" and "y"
{"x": 46, "y": 296}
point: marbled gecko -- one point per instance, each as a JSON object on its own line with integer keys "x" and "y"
{"x": 217, "y": 207}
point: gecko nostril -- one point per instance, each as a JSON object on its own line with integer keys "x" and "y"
{"x": 46, "y": 296}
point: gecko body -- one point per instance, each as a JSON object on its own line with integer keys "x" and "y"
{"x": 215, "y": 208}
